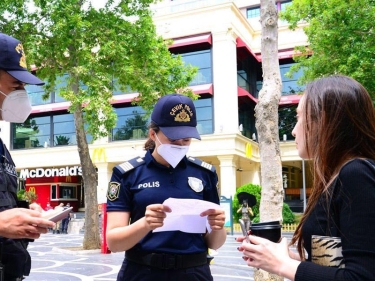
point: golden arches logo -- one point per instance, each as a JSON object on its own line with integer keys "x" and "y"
{"x": 68, "y": 179}
{"x": 99, "y": 155}
{"x": 32, "y": 189}
{"x": 248, "y": 150}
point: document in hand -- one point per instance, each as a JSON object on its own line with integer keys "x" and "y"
{"x": 56, "y": 215}
{"x": 185, "y": 215}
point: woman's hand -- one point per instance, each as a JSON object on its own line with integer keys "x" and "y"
{"x": 215, "y": 218}
{"x": 155, "y": 215}
{"x": 269, "y": 256}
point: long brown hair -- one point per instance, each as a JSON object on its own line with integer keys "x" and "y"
{"x": 150, "y": 144}
{"x": 339, "y": 125}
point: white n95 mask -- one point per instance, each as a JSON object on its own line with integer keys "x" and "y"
{"x": 16, "y": 106}
{"x": 172, "y": 153}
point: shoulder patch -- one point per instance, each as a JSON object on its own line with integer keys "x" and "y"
{"x": 129, "y": 165}
{"x": 201, "y": 163}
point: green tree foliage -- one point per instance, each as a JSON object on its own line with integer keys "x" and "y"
{"x": 288, "y": 215}
{"x": 341, "y": 38}
{"x": 94, "y": 47}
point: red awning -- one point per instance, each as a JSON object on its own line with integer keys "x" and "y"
{"x": 179, "y": 42}
{"x": 124, "y": 98}
{"x": 285, "y": 54}
{"x": 282, "y": 54}
{"x": 50, "y": 107}
{"x": 202, "y": 89}
{"x": 242, "y": 44}
{"x": 291, "y": 99}
{"x": 243, "y": 93}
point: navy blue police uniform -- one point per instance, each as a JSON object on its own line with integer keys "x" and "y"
{"x": 14, "y": 257}
{"x": 170, "y": 255}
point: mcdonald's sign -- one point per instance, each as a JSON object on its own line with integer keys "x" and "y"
{"x": 32, "y": 189}
{"x": 99, "y": 155}
{"x": 68, "y": 179}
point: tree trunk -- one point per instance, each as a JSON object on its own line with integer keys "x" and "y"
{"x": 91, "y": 239}
{"x": 266, "y": 113}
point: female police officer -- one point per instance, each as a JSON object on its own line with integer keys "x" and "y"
{"x": 139, "y": 187}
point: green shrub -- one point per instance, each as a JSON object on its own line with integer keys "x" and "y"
{"x": 288, "y": 215}
{"x": 29, "y": 196}
{"x": 249, "y": 188}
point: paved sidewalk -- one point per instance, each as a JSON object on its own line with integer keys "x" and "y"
{"x": 50, "y": 262}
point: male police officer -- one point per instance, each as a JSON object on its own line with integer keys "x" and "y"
{"x": 17, "y": 225}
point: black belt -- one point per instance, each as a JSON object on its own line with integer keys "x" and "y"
{"x": 167, "y": 261}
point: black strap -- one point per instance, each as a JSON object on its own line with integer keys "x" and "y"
{"x": 167, "y": 261}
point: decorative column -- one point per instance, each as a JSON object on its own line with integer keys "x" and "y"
{"x": 227, "y": 179}
{"x": 104, "y": 176}
{"x": 224, "y": 68}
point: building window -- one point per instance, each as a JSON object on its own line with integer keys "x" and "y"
{"x": 202, "y": 60}
{"x": 131, "y": 124}
{"x": 67, "y": 192}
{"x": 45, "y": 131}
{"x": 203, "y": 107}
{"x": 290, "y": 86}
{"x": 253, "y": 12}
{"x": 285, "y": 4}
{"x": 64, "y": 130}
{"x": 287, "y": 121}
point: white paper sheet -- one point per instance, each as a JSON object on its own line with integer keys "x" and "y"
{"x": 185, "y": 215}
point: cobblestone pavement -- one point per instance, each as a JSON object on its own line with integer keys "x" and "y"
{"x": 50, "y": 261}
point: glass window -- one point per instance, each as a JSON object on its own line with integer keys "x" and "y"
{"x": 64, "y": 130}
{"x": 131, "y": 124}
{"x": 290, "y": 86}
{"x": 53, "y": 192}
{"x": 202, "y": 60}
{"x": 285, "y": 4}
{"x": 204, "y": 115}
{"x": 253, "y": 12}
{"x": 67, "y": 192}
{"x": 44, "y": 131}
{"x": 61, "y": 82}
{"x": 287, "y": 121}
{"x": 32, "y": 133}
{"x": 35, "y": 95}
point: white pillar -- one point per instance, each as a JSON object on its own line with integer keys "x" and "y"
{"x": 227, "y": 175}
{"x": 104, "y": 176}
{"x": 225, "y": 80}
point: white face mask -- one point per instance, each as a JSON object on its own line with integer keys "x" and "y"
{"x": 16, "y": 106}
{"x": 172, "y": 153}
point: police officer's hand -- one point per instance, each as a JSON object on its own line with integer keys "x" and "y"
{"x": 36, "y": 207}
{"x": 155, "y": 215}
{"x": 215, "y": 218}
{"x": 23, "y": 223}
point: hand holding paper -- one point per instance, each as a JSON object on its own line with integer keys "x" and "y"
{"x": 185, "y": 215}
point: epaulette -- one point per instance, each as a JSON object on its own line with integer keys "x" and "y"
{"x": 129, "y": 165}
{"x": 202, "y": 164}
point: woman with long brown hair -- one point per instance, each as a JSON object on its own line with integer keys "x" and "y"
{"x": 335, "y": 130}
